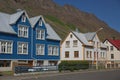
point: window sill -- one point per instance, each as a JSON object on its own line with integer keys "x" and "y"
{"x": 40, "y": 54}
{"x": 40, "y": 39}
{"x": 53, "y": 55}
{"x": 5, "y": 53}
{"x": 23, "y": 37}
{"x": 22, "y": 54}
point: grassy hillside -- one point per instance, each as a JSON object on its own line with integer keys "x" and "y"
{"x": 62, "y": 18}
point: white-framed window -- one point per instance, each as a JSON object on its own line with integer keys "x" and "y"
{"x": 22, "y": 48}
{"x": 89, "y": 54}
{"x": 98, "y": 44}
{"x": 112, "y": 56}
{"x": 67, "y": 44}
{"x": 6, "y": 47}
{"x": 53, "y": 50}
{"x": 23, "y": 19}
{"x": 111, "y": 48}
{"x": 76, "y": 54}
{"x": 40, "y": 49}
{"x": 40, "y": 22}
{"x": 102, "y": 55}
{"x": 23, "y": 31}
{"x": 75, "y": 43}
{"x": 40, "y": 34}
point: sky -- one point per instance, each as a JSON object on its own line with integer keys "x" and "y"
{"x": 106, "y": 10}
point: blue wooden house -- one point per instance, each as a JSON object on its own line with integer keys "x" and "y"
{"x": 27, "y": 41}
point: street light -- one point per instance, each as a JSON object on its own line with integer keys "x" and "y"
{"x": 97, "y": 48}
{"x": 99, "y": 30}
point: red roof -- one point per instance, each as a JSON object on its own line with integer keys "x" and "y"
{"x": 115, "y": 43}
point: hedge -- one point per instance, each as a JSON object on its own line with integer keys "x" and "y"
{"x": 73, "y": 65}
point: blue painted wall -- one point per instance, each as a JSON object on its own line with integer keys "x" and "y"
{"x": 46, "y": 42}
{"x": 32, "y": 41}
{"x": 17, "y": 39}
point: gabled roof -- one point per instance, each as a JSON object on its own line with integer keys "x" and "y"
{"x": 115, "y": 43}
{"x": 90, "y": 35}
{"x": 103, "y": 45}
{"x": 51, "y": 34}
{"x": 4, "y": 24}
{"x": 82, "y": 38}
{"x": 85, "y": 37}
{"x": 6, "y": 20}
{"x": 34, "y": 20}
{"x": 14, "y": 17}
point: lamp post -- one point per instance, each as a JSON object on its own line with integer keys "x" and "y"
{"x": 99, "y": 30}
{"x": 97, "y": 48}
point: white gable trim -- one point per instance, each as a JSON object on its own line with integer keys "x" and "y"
{"x": 17, "y": 17}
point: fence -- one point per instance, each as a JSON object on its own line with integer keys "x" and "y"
{"x": 27, "y": 69}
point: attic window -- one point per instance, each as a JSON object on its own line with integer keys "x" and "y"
{"x": 71, "y": 36}
{"x": 23, "y": 18}
{"x": 40, "y": 22}
{"x": 106, "y": 42}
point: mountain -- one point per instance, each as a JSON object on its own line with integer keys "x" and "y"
{"x": 62, "y": 18}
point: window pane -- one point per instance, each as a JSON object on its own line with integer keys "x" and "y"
{"x": 87, "y": 54}
{"x": 67, "y": 44}
{"x": 53, "y": 50}
{"x": 50, "y": 50}
{"x": 40, "y": 34}
{"x": 40, "y": 49}
{"x": 9, "y": 47}
{"x": 75, "y": 42}
{"x": 5, "y": 47}
{"x": 40, "y": 22}
{"x": 22, "y": 48}
{"x": 22, "y": 31}
{"x": 23, "y": 18}
{"x": 76, "y": 54}
{"x": 66, "y": 54}
{"x": 111, "y": 47}
{"x": 112, "y": 56}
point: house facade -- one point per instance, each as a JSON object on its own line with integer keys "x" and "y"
{"x": 113, "y": 53}
{"x": 27, "y": 41}
{"x": 83, "y": 46}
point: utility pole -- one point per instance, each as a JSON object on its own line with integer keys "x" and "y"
{"x": 97, "y": 52}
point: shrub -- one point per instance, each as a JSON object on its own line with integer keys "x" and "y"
{"x": 73, "y": 65}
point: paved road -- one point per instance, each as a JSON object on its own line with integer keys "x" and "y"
{"x": 82, "y": 75}
{"x": 99, "y": 75}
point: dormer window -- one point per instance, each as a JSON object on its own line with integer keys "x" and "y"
{"x": 23, "y": 18}
{"x": 40, "y": 22}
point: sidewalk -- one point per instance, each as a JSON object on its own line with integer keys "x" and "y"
{"x": 23, "y": 76}
{"x": 35, "y": 75}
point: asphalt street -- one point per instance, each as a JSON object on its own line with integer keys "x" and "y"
{"x": 80, "y": 75}
{"x": 92, "y": 75}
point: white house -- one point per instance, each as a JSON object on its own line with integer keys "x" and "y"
{"x": 83, "y": 46}
{"x": 113, "y": 53}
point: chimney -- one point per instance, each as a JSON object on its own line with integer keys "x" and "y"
{"x": 77, "y": 30}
